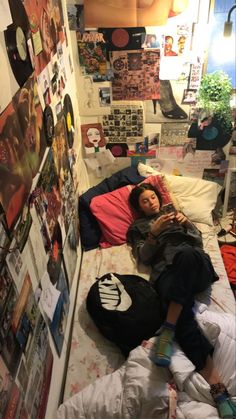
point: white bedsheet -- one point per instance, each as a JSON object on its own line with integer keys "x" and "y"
{"x": 139, "y": 389}
{"x": 92, "y": 356}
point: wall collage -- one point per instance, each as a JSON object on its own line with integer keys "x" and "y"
{"x": 39, "y": 222}
{"x": 139, "y": 88}
{"x": 137, "y": 76}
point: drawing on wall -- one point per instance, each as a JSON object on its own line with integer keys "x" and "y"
{"x": 93, "y": 138}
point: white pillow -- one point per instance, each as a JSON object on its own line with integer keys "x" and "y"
{"x": 196, "y": 197}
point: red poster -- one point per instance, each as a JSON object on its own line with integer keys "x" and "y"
{"x": 46, "y": 24}
{"x": 15, "y": 172}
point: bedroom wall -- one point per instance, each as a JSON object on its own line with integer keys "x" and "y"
{"x": 41, "y": 176}
{"x": 164, "y": 141}
{"x": 46, "y": 161}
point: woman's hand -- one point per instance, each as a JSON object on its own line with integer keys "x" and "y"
{"x": 162, "y": 223}
{"x": 181, "y": 218}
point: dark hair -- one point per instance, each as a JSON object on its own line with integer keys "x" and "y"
{"x": 138, "y": 190}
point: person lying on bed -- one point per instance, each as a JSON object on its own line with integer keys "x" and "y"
{"x": 173, "y": 247}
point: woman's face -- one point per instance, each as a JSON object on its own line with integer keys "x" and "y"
{"x": 94, "y": 136}
{"x": 149, "y": 202}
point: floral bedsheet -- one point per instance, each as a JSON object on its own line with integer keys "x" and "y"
{"x": 91, "y": 355}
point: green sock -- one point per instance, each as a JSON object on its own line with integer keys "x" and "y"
{"x": 163, "y": 352}
{"x": 226, "y": 408}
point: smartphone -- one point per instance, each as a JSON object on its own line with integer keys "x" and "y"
{"x": 167, "y": 208}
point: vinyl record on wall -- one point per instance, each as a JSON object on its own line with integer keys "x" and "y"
{"x": 48, "y": 124}
{"x": 118, "y": 149}
{"x": 16, "y": 37}
{"x": 210, "y": 137}
{"x": 119, "y": 39}
{"x": 69, "y": 116}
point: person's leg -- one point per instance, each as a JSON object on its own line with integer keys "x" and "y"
{"x": 226, "y": 408}
{"x": 165, "y": 342}
{"x": 177, "y": 287}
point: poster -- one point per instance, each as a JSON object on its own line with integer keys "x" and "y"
{"x": 46, "y": 24}
{"x": 93, "y": 138}
{"x": 10, "y": 347}
{"x": 70, "y": 252}
{"x": 58, "y": 324}
{"x": 93, "y": 59}
{"x": 75, "y": 14}
{"x": 47, "y": 200}
{"x": 125, "y": 123}
{"x": 5, "y": 387}
{"x": 15, "y": 170}
{"x": 38, "y": 365}
{"x": 136, "y": 74}
{"x": 30, "y": 115}
{"x": 111, "y": 14}
{"x": 175, "y": 134}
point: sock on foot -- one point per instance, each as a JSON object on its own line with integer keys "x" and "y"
{"x": 226, "y": 408}
{"x": 163, "y": 352}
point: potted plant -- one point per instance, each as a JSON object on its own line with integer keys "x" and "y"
{"x": 214, "y": 96}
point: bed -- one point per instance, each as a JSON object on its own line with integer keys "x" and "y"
{"x": 100, "y": 383}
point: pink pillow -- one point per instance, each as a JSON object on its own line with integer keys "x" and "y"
{"x": 114, "y": 213}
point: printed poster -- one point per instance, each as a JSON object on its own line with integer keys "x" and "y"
{"x": 124, "y": 124}
{"x": 136, "y": 74}
{"x": 46, "y": 24}
{"x": 15, "y": 170}
{"x": 92, "y": 59}
{"x": 58, "y": 324}
{"x": 30, "y": 115}
{"x": 120, "y": 13}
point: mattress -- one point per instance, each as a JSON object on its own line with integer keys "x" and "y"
{"x": 91, "y": 355}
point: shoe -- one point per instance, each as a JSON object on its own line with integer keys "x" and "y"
{"x": 176, "y": 113}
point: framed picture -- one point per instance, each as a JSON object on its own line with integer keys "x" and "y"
{"x": 189, "y": 96}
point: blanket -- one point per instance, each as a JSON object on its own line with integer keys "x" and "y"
{"x": 140, "y": 389}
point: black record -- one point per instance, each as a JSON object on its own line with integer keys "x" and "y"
{"x": 69, "y": 116}
{"x": 120, "y": 39}
{"x": 210, "y": 137}
{"x": 16, "y": 37}
{"x": 48, "y": 124}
